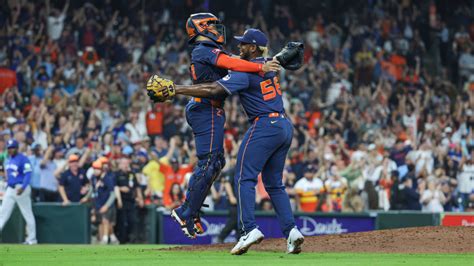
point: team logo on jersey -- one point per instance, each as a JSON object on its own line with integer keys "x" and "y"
{"x": 216, "y": 51}
{"x": 27, "y": 167}
{"x": 226, "y": 78}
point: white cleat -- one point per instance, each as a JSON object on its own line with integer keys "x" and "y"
{"x": 246, "y": 241}
{"x": 294, "y": 241}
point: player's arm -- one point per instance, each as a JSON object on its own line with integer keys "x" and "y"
{"x": 26, "y": 176}
{"x": 160, "y": 89}
{"x": 216, "y": 90}
{"x": 204, "y": 90}
{"x": 236, "y": 64}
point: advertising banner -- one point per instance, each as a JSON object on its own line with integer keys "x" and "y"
{"x": 458, "y": 219}
{"x": 309, "y": 225}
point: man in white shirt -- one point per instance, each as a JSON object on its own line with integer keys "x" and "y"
{"x": 308, "y": 189}
{"x": 55, "y": 21}
{"x": 309, "y": 182}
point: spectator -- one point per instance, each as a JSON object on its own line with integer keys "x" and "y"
{"x": 131, "y": 193}
{"x": 335, "y": 187}
{"x": 35, "y": 159}
{"x": 432, "y": 198}
{"x": 308, "y": 188}
{"x": 73, "y": 183}
{"x": 404, "y": 196}
{"x": 103, "y": 186}
{"x": 56, "y": 20}
{"x": 176, "y": 196}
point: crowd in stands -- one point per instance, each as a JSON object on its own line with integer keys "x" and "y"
{"x": 383, "y": 108}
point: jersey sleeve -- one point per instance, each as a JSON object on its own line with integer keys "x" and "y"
{"x": 27, "y": 169}
{"x": 236, "y": 64}
{"x": 206, "y": 54}
{"x": 234, "y": 82}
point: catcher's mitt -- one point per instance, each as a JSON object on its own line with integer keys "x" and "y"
{"x": 291, "y": 56}
{"x": 160, "y": 89}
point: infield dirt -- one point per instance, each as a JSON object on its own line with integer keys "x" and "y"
{"x": 432, "y": 239}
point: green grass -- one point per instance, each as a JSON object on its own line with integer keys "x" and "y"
{"x": 59, "y": 255}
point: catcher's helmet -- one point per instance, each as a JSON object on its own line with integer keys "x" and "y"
{"x": 205, "y": 24}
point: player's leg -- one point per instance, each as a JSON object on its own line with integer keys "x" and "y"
{"x": 24, "y": 203}
{"x": 7, "y": 206}
{"x": 272, "y": 180}
{"x": 272, "y": 175}
{"x": 257, "y": 146}
{"x": 207, "y": 123}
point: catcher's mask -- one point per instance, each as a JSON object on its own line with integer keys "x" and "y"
{"x": 207, "y": 25}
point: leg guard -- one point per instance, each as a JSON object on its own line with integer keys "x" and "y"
{"x": 208, "y": 169}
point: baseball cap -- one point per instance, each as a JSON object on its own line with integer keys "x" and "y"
{"x": 253, "y": 36}
{"x": 21, "y": 121}
{"x": 103, "y": 160}
{"x": 73, "y": 158}
{"x": 143, "y": 154}
{"x": 12, "y": 143}
{"x": 35, "y": 145}
{"x": 310, "y": 168}
{"x": 97, "y": 165}
{"x": 127, "y": 150}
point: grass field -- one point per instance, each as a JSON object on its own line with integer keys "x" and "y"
{"x": 59, "y": 255}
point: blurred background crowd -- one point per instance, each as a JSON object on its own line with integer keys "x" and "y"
{"x": 383, "y": 109}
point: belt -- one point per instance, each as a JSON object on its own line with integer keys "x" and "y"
{"x": 282, "y": 115}
{"x": 215, "y": 103}
{"x": 271, "y": 115}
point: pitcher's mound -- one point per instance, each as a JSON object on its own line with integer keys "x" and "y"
{"x": 432, "y": 239}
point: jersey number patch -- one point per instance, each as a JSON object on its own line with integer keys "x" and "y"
{"x": 270, "y": 88}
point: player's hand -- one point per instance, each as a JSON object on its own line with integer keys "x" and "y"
{"x": 19, "y": 191}
{"x": 291, "y": 56}
{"x": 270, "y": 66}
{"x": 160, "y": 89}
{"x": 104, "y": 209}
{"x": 119, "y": 205}
{"x": 124, "y": 189}
{"x": 66, "y": 202}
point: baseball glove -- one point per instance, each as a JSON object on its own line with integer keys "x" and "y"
{"x": 291, "y": 56}
{"x": 160, "y": 89}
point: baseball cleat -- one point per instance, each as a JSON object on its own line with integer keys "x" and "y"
{"x": 246, "y": 241}
{"x": 182, "y": 223}
{"x": 294, "y": 242}
{"x": 198, "y": 228}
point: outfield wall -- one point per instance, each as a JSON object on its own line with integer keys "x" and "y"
{"x": 71, "y": 224}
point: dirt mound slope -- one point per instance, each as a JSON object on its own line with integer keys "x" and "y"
{"x": 431, "y": 239}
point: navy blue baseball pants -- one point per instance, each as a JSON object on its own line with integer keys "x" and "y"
{"x": 263, "y": 150}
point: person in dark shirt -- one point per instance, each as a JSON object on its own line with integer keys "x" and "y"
{"x": 404, "y": 196}
{"x": 131, "y": 193}
{"x": 73, "y": 182}
{"x": 104, "y": 195}
{"x": 398, "y": 155}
